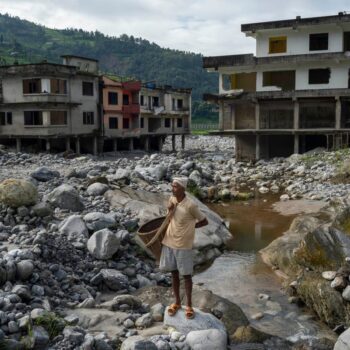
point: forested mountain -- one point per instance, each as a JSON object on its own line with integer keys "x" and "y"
{"x": 25, "y": 42}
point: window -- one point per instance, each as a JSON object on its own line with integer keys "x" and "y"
{"x": 318, "y": 42}
{"x": 125, "y": 99}
{"x": 179, "y": 122}
{"x": 9, "y": 118}
{"x": 173, "y": 104}
{"x": 88, "y": 88}
{"x": 2, "y": 118}
{"x": 125, "y": 123}
{"x": 278, "y": 44}
{"x": 58, "y": 118}
{"x": 112, "y": 98}
{"x": 88, "y": 118}
{"x": 33, "y": 118}
{"x": 167, "y": 122}
{"x": 58, "y": 86}
{"x": 142, "y": 123}
{"x": 179, "y": 103}
{"x": 142, "y": 100}
{"x": 113, "y": 123}
{"x": 155, "y": 101}
{"x": 31, "y": 86}
{"x": 346, "y": 41}
{"x": 319, "y": 76}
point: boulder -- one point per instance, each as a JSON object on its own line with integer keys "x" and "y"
{"x": 75, "y": 229}
{"x": 343, "y": 342}
{"x": 103, "y": 244}
{"x": 66, "y": 197}
{"x": 209, "y": 339}
{"x": 16, "y": 193}
{"x": 25, "y": 269}
{"x": 137, "y": 343}
{"x": 42, "y": 209}
{"x": 44, "y": 174}
{"x": 114, "y": 280}
{"x": 97, "y": 189}
{"x": 96, "y": 221}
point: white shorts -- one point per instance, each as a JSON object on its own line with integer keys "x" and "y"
{"x": 176, "y": 259}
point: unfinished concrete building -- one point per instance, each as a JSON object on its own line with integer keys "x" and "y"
{"x": 293, "y": 95}
{"x": 51, "y": 106}
{"x": 164, "y": 111}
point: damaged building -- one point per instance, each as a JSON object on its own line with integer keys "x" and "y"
{"x": 293, "y": 95}
{"x": 70, "y": 106}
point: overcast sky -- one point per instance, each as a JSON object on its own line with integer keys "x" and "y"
{"x": 210, "y": 27}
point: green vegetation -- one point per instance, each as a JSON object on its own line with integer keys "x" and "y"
{"x": 22, "y": 41}
{"x": 51, "y": 322}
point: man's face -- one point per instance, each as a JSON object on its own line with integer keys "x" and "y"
{"x": 177, "y": 189}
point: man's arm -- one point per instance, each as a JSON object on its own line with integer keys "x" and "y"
{"x": 201, "y": 223}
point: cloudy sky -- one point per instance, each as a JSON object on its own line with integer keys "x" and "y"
{"x": 210, "y": 27}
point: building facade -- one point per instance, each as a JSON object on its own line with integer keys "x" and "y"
{"x": 49, "y": 105}
{"x": 293, "y": 95}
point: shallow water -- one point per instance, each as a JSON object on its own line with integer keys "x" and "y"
{"x": 240, "y": 275}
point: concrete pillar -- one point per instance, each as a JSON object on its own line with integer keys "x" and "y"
{"x": 296, "y": 115}
{"x": 67, "y": 144}
{"x": 233, "y": 117}
{"x": 296, "y": 144}
{"x": 257, "y": 147}
{"x": 173, "y": 143}
{"x": 221, "y": 115}
{"x": 147, "y": 144}
{"x": 160, "y": 143}
{"x": 18, "y": 145}
{"x": 77, "y": 145}
{"x": 48, "y": 145}
{"x": 95, "y": 149}
{"x": 337, "y": 113}
{"x": 131, "y": 144}
{"x": 257, "y": 116}
{"x": 183, "y": 137}
{"x": 115, "y": 145}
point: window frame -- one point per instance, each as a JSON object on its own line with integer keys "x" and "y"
{"x": 88, "y": 118}
{"x": 313, "y": 41}
{"x": 34, "y": 115}
{"x": 314, "y": 71}
{"x": 111, "y": 100}
{"x": 115, "y": 119}
{"x": 275, "y": 39}
{"x": 88, "y": 88}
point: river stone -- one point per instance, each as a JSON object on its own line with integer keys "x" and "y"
{"x": 16, "y": 193}
{"x": 25, "y": 269}
{"x": 329, "y": 275}
{"x": 157, "y": 312}
{"x": 74, "y": 227}
{"x": 103, "y": 244}
{"x": 44, "y": 174}
{"x": 208, "y": 339}
{"x": 144, "y": 321}
{"x": 346, "y": 293}
{"x": 115, "y": 280}
{"x": 42, "y": 209}
{"x": 66, "y": 197}
{"x": 96, "y": 221}
{"x": 137, "y": 343}
{"x": 343, "y": 342}
{"x": 201, "y": 321}
{"x": 122, "y": 174}
{"x": 40, "y": 338}
{"x": 97, "y": 189}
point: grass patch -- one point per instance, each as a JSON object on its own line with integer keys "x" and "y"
{"x": 53, "y": 324}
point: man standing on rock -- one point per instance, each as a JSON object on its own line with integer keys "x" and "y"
{"x": 177, "y": 253}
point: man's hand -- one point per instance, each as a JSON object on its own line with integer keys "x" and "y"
{"x": 202, "y": 223}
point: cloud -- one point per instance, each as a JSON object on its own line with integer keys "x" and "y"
{"x": 210, "y": 27}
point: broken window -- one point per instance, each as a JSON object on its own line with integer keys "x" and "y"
{"x": 58, "y": 86}
{"x": 125, "y": 99}
{"x": 179, "y": 103}
{"x": 155, "y": 101}
{"x": 32, "y": 86}
{"x": 167, "y": 122}
{"x": 2, "y": 118}
{"x": 88, "y": 88}
{"x": 278, "y": 44}
{"x": 58, "y": 118}
{"x": 318, "y": 42}
{"x": 244, "y": 81}
{"x": 126, "y": 123}
{"x": 179, "y": 122}
{"x": 88, "y": 118}
{"x": 113, "y": 123}
{"x": 112, "y": 98}
{"x": 283, "y": 79}
{"x": 9, "y": 118}
{"x": 33, "y": 118}
{"x": 319, "y": 76}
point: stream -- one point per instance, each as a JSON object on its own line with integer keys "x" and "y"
{"x": 241, "y": 276}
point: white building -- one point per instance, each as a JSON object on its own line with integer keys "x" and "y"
{"x": 293, "y": 95}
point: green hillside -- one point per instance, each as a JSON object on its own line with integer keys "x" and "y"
{"x": 25, "y": 42}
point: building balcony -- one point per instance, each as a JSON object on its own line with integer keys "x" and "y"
{"x": 133, "y": 108}
{"x": 45, "y": 97}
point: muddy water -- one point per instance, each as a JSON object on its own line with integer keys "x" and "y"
{"x": 240, "y": 275}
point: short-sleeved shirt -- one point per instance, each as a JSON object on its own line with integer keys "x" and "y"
{"x": 180, "y": 232}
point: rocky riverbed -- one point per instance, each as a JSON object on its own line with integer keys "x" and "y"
{"x": 73, "y": 274}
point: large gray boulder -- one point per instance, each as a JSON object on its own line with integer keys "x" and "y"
{"x": 44, "y": 174}
{"x": 66, "y": 197}
{"x": 114, "y": 280}
{"x": 103, "y": 244}
{"x": 96, "y": 221}
{"x": 209, "y": 339}
{"x": 16, "y": 193}
{"x": 201, "y": 321}
{"x": 75, "y": 229}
